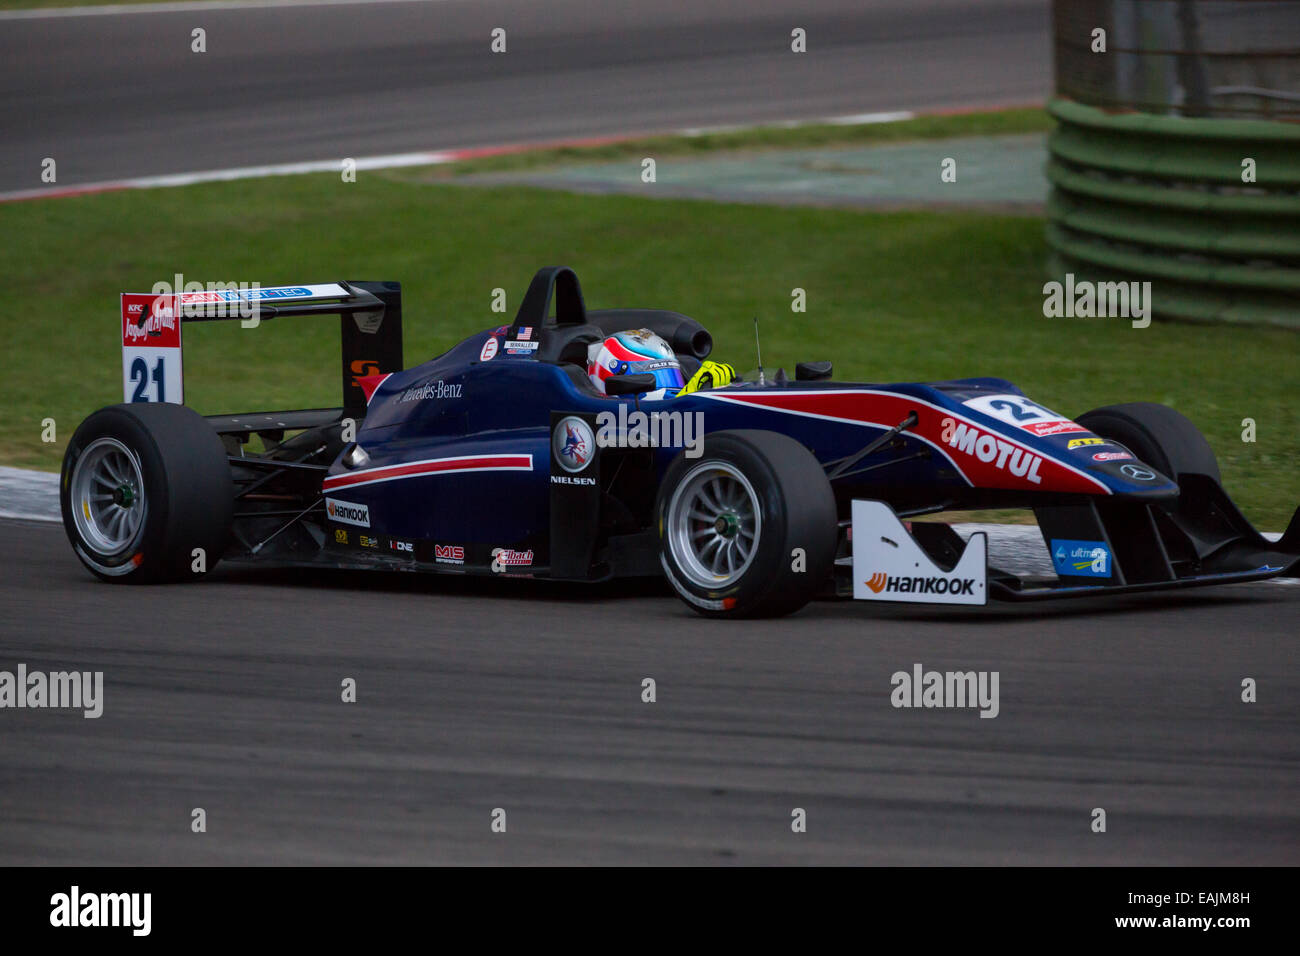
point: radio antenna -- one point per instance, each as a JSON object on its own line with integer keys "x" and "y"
{"x": 759, "y": 349}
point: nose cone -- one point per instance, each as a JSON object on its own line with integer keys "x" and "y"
{"x": 1135, "y": 479}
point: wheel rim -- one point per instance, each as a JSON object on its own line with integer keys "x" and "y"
{"x": 714, "y": 524}
{"x": 107, "y": 496}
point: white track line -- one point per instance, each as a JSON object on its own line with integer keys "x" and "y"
{"x": 241, "y": 172}
{"x": 396, "y": 160}
{"x": 191, "y": 6}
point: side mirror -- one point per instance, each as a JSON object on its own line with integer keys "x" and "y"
{"x": 629, "y": 384}
{"x": 812, "y": 371}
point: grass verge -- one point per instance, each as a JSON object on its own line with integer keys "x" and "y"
{"x": 746, "y": 139}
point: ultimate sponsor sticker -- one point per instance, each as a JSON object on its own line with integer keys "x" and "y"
{"x": 1081, "y": 559}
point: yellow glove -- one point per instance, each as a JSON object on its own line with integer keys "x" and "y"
{"x": 710, "y": 375}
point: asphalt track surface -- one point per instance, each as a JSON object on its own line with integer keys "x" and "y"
{"x": 110, "y": 97}
{"x": 472, "y": 696}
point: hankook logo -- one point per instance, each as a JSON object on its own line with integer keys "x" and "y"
{"x": 919, "y": 584}
{"x": 347, "y": 512}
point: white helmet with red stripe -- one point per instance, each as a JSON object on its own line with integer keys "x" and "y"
{"x": 636, "y": 352}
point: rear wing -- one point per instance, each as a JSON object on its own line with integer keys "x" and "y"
{"x": 370, "y": 327}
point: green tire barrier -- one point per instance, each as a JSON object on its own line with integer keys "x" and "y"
{"x": 1142, "y": 197}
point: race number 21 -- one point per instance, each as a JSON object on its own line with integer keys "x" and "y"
{"x": 151, "y": 349}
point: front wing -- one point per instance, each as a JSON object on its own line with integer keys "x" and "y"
{"x": 929, "y": 563}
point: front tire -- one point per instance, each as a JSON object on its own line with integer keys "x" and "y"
{"x": 748, "y": 529}
{"x": 1163, "y": 438}
{"x": 143, "y": 486}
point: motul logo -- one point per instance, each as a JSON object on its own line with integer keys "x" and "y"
{"x": 919, "y": 585}
{"x": 990, "y": 449}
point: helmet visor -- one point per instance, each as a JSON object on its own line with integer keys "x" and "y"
{"x": 667, "y": 373}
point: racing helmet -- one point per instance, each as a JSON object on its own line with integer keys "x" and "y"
{"x": 636, "y": 352}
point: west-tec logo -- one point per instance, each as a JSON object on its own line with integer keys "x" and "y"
{"x": 405, "y": 547}
{"x": 573, "y": 443}
{"x": 503, "y": 558}
{"x": 438, "y": 389}
{"x": 1084, "y": 442}
{"x": 345, "y": 512}
{"x": 489, "y": 350}
{"x": 448, "y": 554}
{"x": 253, "y": 293}
{"x": 1111, "y": 456}
{"x": 1138, "y": 473}
{"x": 988, "y": 448}
{"x": 921, "y": 584}
{"x": 1081, "y": 559}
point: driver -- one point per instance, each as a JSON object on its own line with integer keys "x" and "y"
{"x": 641, "y": 352}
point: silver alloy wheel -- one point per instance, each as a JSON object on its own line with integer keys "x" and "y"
{"x": 713, "y": 524}
{"x": 107, "y": 496}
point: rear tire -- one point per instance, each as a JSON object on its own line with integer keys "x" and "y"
{"x": 143, "y": 486}
{"x": 749, "y": 528}
{"x": 1158, "y": 435}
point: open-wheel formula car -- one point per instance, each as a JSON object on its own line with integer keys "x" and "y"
{"x": 500, "y": 457}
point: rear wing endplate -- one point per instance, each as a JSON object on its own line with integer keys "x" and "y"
{"x": 370, "y": 324}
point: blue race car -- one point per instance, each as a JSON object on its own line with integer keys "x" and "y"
{"x": 508, "y": 456}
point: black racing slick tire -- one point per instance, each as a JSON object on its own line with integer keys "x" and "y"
{"x": 748, "y": 528}
{"x": 146, "y": 493}
{"x": 1163, "y": 438}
